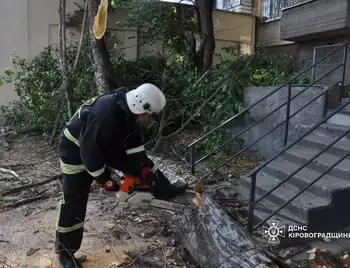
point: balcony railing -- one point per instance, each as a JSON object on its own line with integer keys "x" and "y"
{"x": 272, "y": 9}
{"x": 242, "y": 6}
{"x": 293, "y": 3}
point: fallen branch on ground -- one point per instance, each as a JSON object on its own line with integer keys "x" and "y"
{"x": 25, "y": 201}
{"x": 20, "y": 131}
{"x": 153, "y": 262}
{"x": 28, "y": 186}
{"x": 11, "y": 172}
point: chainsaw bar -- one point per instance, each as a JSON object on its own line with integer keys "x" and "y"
{"x": 145, "y": 199}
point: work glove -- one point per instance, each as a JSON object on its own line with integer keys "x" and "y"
{"x": 147, "y": 176}
{"x": 163, "y": 189}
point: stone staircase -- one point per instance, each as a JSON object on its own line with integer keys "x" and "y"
{"x": 323, "y": 206}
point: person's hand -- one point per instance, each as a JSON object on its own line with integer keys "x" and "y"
{"x": 111, "y": 185}
{"x": 147, "y": 175}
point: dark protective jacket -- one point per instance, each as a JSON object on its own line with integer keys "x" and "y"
{"x": 103, "y": 132}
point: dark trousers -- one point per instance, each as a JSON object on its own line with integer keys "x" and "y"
{"x": 70, "y": 224}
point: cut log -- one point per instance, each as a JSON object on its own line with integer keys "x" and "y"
{"x": 212, "y": 238}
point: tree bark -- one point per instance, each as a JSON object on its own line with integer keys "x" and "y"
{"x": 105, "y": 77}
{"x": 212, "y": 238}
{"x": 62, "y": 53}
{"x": 205, "y": 18}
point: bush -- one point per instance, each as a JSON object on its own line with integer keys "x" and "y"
{"x": 37, "y": 83}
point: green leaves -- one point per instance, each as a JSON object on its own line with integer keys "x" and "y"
{"x": 37, "y": 83}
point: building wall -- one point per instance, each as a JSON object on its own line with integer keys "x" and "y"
{"x": 32, "y": 25}
{"x": 13, "y": 37}
{"x": 233, "y": 28}
{"x": 305, "y": 50}
{"x": 28, "y": 26}
{"x": 317, "y": 23}
{"x": 269, "y": 34}
{"x": 314, "y": 18}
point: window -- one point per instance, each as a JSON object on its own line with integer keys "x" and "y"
{"x": 272, "y": 9}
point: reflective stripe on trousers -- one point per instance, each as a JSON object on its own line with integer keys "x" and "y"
{"x": 135, "y": 150}
{"x": 70, "y": 228}
{"x": 71, "y": 169}
{"x": 75, "y": 169}
{"x": 97, "y": 172}
{"x": 72, "y": 211}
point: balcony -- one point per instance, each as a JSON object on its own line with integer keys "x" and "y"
{"x": 240, "y": 6}
{"x": 305, "y": 20}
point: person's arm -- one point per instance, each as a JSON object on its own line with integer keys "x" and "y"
{"x": 136, "y": 152}
{"x": 90, "y": 151}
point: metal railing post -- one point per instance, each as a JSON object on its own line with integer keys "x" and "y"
{"x": 251, "y": 203}
{"x": 325, "y": 104}
{"x": 344, "y": 63}
{"x": 289, "y": 96}
{"x": 313, "y": 72}
{"x": 193, "y": 159}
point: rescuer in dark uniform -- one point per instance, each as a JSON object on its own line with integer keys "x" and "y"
{"x": 103, "y": 133}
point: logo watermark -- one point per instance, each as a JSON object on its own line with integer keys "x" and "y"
{"x": 275, "y": 230}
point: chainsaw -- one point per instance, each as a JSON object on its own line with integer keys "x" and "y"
{"x": 135, "y": 191}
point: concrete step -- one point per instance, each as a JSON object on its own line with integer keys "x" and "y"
{"x": 320, "y": 142}
{"x": 264, "y": 208}
{"x": 346, "y": 108}
{"x": 342, "y": 118}
{"x": 297, "y": 208}
{"x": 300, "y": 155}
{"x": 331, "y": 130}
{"x": 281, "y": 169}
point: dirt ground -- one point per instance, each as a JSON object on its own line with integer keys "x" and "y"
{"x": 114, "y": 234}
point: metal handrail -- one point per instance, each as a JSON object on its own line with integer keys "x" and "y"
{"x": 263, "y": 118}
{"x": 263, "y": 164}
{"x": 270, "y": 131}
{"x": 289, "y": 83}
{"x": 268, "y": 95}
{"x": 253, "y": 173}
{"x": 280, "y": 124}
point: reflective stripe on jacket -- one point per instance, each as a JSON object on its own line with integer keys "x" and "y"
{"x": 102, "y": 132}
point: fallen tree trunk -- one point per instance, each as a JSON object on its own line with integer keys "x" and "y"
{"x": 212, "y": 238}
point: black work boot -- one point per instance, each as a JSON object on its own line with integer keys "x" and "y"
{"x": 67, "y": 260}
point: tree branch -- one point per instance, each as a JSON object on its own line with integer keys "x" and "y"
{"x": 32, "y": 185}
{"x": 61, "y": 105}
{"x": 82, "y": 33}
{"x": 191, "y": 118}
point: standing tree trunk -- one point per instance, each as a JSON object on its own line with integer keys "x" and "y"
{"x": 62, "y": 56}
{"x": 205, "y": 24}
{"x": 106, "y": 79}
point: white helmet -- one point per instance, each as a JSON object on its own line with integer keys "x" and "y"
{"x": 147, "y": 98}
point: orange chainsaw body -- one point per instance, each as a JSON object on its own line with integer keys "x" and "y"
{"x": 130, "y": 181}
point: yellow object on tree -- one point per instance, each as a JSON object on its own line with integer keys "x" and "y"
{"x": 100, "y": 23}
